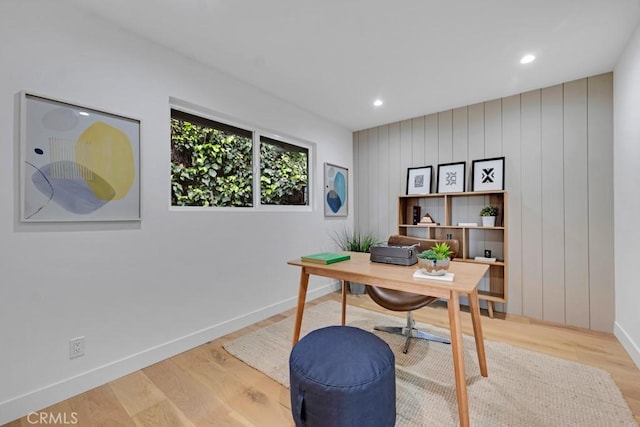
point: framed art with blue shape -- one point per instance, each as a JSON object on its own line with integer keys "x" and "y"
{"x": 77, "y": 163}
{"x": 336, "y": 190}
{"x": 419, "y": 180}
{"x": 487, "y": 174}
{"x": 451, "y": 177}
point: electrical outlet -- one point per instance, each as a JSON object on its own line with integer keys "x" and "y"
{"x": 76, "y": 347}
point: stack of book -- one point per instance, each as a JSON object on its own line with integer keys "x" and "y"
{"x": 325, "y": 258}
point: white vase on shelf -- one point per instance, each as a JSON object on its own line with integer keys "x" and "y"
{"x": 488, "y": 221}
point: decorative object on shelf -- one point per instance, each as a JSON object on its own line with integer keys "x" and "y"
{"x": 419, "y": 180}
{"x": 355, "y": 241}
{"x": 336, "y": 190}
{"x": 451, "y": 177}
{"x": 488, "y": 215}
{"x": 435, "y": 261}
{"x": 77, "y": 163}
{"x": 427, "y": 220}
{"x": 487, "y": 253}
{"x": 416, "y": 215}
{"x": 487, "y": 174}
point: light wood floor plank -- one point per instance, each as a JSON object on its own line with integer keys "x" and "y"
{"x": 206, "y": 386}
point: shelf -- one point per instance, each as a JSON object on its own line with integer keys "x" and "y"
{"x": 462, "y": 227}
{"x": 450, "y": 209}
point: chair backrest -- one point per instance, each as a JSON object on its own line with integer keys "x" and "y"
{"x": 424, "y": 244}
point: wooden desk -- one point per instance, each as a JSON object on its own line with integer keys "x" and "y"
{"x": 360, "y": 269}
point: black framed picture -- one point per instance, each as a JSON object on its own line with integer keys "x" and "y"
{"x": 451, "y": 177}
{"x": 419, "y": 180}
{"x": 487, "y": 174}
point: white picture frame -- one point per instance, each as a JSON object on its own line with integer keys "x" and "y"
{"x": 487, "y": 174}
{"x": 419, "y": 180}
{"x": 336, "y": 191}
{"x": 451, "y": 177}
{"x": 77, "y": 163}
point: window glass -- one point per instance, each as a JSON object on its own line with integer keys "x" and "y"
{"x": 211, "y": 163}
{"x": 283, "y": 173}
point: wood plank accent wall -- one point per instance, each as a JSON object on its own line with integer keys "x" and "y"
{"x": 558, "y": 145}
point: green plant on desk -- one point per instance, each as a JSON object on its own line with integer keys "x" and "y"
{"x": 439, "y": 252}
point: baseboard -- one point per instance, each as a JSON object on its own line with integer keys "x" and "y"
{"x": 631, "y": 347}
{"x": 53, "y": 393}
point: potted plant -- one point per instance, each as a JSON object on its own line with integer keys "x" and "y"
{"x": 435, "y": 261}
{"x": 488, "y": 215}
{"x": 355, "y": 241}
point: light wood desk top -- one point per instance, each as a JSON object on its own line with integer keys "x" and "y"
{"x": 360, "y": 269}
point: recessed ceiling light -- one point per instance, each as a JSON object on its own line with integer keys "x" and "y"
{"x": 527, "y": 58}
{"x": 83, "y": 113}
{"x": 377, "y": 102}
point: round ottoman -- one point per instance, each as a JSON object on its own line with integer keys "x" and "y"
{"x": 342, "y": 376}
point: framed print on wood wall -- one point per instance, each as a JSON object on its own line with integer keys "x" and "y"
{"x": 487, "y": 174}
{"x": 77, "y": 163}
{"x": 336, "y": 191}
{"x": 451, "y": 177}
{"x": 419, "y": 180}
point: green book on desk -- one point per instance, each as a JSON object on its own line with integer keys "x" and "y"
{"x": 325, "y": 258}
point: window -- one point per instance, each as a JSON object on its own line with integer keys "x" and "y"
{"x": 283, "y": 173}
{"x": 212, "y": 165}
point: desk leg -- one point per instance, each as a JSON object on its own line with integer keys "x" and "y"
{"x": 458, "y": 358}
{"x": 474, "y": 306}
{"x": 302, "y": 296}
{"x": 345, "y": 284}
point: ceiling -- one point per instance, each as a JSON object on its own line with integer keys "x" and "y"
{"x": 335, "y": 57}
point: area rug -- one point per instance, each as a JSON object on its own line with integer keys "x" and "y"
{"x": 523, "y": 388}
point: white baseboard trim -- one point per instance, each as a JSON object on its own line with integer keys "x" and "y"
{"x": 35, "y": 400}
{"x": 631, "y": 347}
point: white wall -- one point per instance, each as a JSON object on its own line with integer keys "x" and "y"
{"x": 138, "y": 292}
{"x": 627, "y": 196}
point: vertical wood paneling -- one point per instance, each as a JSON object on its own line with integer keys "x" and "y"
{"x": 576, "y": 203}
{"x": 355, "y": 181}
{"x": 445, "y": 137}
{"x": 557, "y": 144}
{"x": 397, "y": 177}
{"x": 374, "y": 194}
{"x": 460, "y": 138}
{"x": 432, "y": 154}
{"x": 531, "y": 205}
{"x": 417, "y": 141}
{"x": 601, "y": 227}
{"x": 493, "y": 128}
{"x": 513, "y": 183}
{"x": 384, "y": 184}
{"x": 364, "y": 190}
{"x": 553, "y": 298}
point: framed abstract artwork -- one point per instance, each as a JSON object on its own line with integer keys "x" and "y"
{"x": 419, "y": 180}
{"x": 336, "y": 191}
{"x": 451, "y": 177}
{"x": 487, "y": 174}
{"x": 77, "y": 163}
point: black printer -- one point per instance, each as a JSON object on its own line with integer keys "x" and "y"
{"x": 392, "y": 254}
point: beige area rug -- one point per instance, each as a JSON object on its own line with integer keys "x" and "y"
{"x": 523, "y": 388}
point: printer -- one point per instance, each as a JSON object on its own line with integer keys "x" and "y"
{"x": 394, "y": 254}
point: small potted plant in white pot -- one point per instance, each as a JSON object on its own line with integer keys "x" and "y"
{"x": 488, "y": 215}
{"x": 435, "y": 261}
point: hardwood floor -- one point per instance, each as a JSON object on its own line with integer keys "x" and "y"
{"x": 206, "y": 386}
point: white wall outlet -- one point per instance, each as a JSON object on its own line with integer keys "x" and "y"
{"x": 76, "y": 347}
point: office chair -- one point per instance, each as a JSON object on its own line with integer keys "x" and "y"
{"x": 406, "y": 301}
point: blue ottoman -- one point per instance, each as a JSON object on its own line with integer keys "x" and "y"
{"x": 342, "y": 376}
